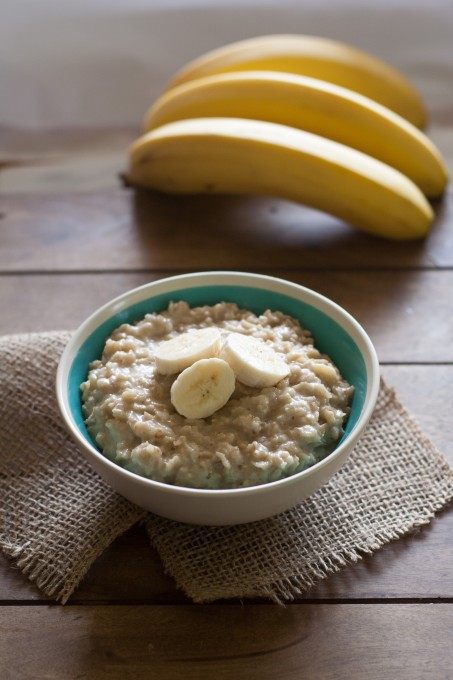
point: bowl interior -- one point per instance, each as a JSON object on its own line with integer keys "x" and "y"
{"x": 330, "y": 337}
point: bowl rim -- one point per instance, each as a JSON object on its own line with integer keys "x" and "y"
{"x": 207, "y": 278}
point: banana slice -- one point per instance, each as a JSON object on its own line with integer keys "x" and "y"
{"x": 203, "y": 388}
{"x": 173, "y": 356}
{"x": 254, "y": 363}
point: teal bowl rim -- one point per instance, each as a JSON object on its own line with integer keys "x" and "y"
{"x": 86, "y": 344}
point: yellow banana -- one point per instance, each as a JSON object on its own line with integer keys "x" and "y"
{"x": 317, "y": 57}
{"x": 242, "y": 156}
{"x": 313, "y": 105}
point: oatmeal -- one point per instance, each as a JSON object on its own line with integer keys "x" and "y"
{"x": 261, "y": 434}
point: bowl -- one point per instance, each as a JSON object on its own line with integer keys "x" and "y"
{"x": 335, "y": 332}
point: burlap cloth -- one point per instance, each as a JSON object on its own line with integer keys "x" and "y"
{"x": 57, "y": 516}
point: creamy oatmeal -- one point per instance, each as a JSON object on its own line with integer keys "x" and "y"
{"x": 261, "y": 434}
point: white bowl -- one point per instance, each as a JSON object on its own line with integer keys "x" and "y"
{"x": 336, "y": 333}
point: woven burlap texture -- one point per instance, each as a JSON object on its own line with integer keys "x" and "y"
{"x": 57, "y": 515}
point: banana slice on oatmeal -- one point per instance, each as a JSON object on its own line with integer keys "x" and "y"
{"x": 203, "y": 388}
{"x": 254, "y": 362}
{"x": 180, "y": 352}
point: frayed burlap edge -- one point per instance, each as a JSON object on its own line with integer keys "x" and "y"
{"x": 55, "y": 582}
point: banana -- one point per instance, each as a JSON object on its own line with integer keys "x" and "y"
{"x": 240, "y": 156}
{"x": 312, "y": 105}
{"x": 317, "y": 57}
{"x": 254, "y": 362}
{"x": 173, "y": 356}
{"x": 203, "y": 388}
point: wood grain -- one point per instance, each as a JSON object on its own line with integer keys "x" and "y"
{"x": 322, "y": 642}
{"x": 124, "y": 229}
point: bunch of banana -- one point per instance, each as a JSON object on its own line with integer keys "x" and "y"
{"x": 296, "y": 117}
{"x": 316, "y": 57}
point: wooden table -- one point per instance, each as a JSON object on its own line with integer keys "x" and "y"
{"x": 71, "y": 238}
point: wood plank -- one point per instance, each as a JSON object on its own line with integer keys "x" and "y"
{"x": 392, "y": 307}
{"x": 38, "y": 303}
{"x": 52, "y": 173}
{"x": 121, "y": 229}
{"x": 14, "y": 586}
{"x": 324, "y": 642}
{"x": 426, "y": 393}
{"x": 109, "y": 579}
